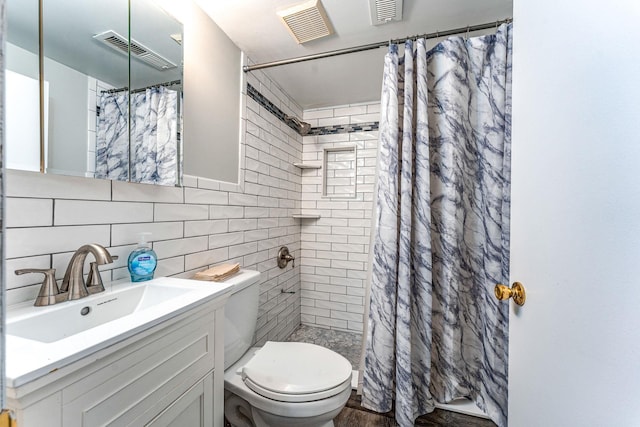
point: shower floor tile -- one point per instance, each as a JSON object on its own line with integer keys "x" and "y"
{"x": 348, "y": 344}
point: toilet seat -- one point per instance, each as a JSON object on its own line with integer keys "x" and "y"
{"x": 297, "y": 398}
{"x": 296, "y": 372}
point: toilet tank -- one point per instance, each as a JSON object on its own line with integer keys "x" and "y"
{"x": 241, "y": 315}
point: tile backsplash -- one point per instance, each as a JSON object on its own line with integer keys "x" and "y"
{"x": 198, "y": 225}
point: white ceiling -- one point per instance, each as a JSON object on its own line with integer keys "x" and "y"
{"x": 255, "y": 27}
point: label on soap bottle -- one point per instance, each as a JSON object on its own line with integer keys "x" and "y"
{"x": 142, "y": 264}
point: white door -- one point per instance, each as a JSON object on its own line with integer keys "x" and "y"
{"x": 575, "y": 242}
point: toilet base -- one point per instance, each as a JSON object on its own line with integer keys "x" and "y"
{"x": 239, "y": 413}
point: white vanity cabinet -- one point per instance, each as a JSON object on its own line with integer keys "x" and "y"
{"x": 171, "y": 374}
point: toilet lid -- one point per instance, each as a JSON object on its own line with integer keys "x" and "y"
{"x": 292, "y": 368}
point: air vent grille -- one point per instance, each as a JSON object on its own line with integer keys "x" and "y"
{"x": 307, "y": 21}
{"x": 384, "y": 11}
{"x": 138, "y": 50}
{"x": 117, "y": 43}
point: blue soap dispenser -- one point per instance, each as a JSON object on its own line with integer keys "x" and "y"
{"x": 142, "y": 261}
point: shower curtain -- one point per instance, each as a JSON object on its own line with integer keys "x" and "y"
{"x": 440, "y": 238}
{"x": 154, "y": 136}
{"x": 112, "y": 136}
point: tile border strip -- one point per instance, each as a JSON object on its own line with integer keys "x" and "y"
{"x": 320, "y": 130}
{"x": 336, "y": 129}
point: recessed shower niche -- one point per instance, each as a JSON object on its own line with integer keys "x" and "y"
{"x": 339, "y": 172}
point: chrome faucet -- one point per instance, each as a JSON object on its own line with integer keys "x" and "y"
{"x": 73, "y": 281}
{"x": 73, "y": 284}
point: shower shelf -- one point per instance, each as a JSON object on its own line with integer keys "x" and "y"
{"x": 306, "y": 216}
{"x": 307, "y": 166}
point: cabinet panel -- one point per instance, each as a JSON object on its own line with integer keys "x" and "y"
{"x": 193, "y": 409}
{"x": 132, "y": 389}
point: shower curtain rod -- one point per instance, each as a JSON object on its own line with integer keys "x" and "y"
{"x": 371, "y": 46}
{"x": 142, "y": 89}
{"x": 171, "y": 83}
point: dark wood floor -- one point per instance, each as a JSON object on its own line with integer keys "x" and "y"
{"x": 354, "y": 415}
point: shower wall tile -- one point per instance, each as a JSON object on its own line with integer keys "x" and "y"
{"x": 350, "y": 111}
{"x": 364, "y": 118}
{"x": 75, "y": 212}
{"x": 203, "y": 228}
{"x": 193, "y": 227}
{"x": 127, "y": 234}
{"x": 179, "y": 212}
{"x": 204, "y": 196}
{"x": 127, "y": 192}
{"x": 29, "y": 184}
{"x": 373, "y": 108}
{"x": 335, "y": 248}
{"x": 23, "y": 242}
{"x": 28, "y": 212}
{"x": 344, "y": 120}
{"x": 177, "y": 247}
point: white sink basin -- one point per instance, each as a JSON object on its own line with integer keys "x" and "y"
{"x": 40, "y": 340}
{"x": 66, "y": 319}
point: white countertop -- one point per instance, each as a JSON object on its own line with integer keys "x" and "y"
{"x": 28, "y": 360}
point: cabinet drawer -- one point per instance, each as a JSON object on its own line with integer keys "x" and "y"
{"x": 144, "y": 378}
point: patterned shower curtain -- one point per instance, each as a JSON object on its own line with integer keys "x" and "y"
{"x": 112, "y": 136}
{"x": 154, "y": 136}
{"x": 440, "y": 241}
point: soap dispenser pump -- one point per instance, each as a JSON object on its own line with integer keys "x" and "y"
{"x": 143, "y": 260}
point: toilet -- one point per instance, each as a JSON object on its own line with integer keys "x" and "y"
{"x": 280, "y": 383}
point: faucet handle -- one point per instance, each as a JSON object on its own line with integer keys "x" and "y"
{"x": 94, "y": 280}
{"x": 46, "y": 271}
{"x": 49, "y": 292}
{"x": 284, "y": 257}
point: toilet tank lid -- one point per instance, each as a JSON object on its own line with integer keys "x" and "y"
{"x": 296, "y": 368}
{"x": 242, "y": 279}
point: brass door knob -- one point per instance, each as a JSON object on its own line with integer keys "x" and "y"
{"x": 516, "y": 292}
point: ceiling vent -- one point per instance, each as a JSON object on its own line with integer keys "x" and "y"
{"x": 384, "y": 11}
{"x": 306, "y": 21}
{"x": 138, "y": 50}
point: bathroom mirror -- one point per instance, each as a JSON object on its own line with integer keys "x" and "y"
{"x": 22, "y": 137}
{"x": 87, "y": 75}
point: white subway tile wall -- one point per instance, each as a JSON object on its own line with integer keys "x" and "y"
{"x": 194, "y": 227}
{"x": 334, "y": 248}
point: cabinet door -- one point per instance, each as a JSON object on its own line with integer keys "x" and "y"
{"x": 134, "y": 385}
{"x": 194, "y": 408}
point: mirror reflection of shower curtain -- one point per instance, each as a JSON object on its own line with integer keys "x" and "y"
{"x": 154, "y": 136}
{"x": 112, "y": 136}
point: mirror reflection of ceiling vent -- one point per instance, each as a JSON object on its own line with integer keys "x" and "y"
{"x": 177, "y": 38}
{"x": 384, "y": 11}
{"x": 138, "y": 50}
{"x": 306, "y": 21}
